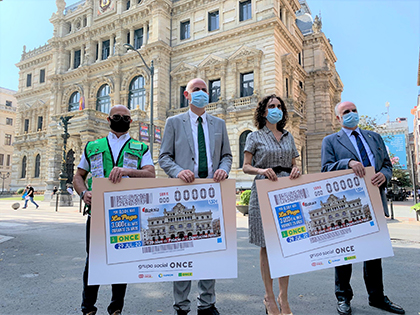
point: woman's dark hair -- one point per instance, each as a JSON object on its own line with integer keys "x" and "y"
{"x": 260, "y": 120}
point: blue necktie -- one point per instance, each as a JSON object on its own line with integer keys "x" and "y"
{"x": 362, "y": 150}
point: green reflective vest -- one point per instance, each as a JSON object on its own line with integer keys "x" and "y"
{"x": 101, "y": 162}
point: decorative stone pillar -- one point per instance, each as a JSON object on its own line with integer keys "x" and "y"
{"x": 132, "y": 36}
{"x": 111, "y": 45}
{"x": 99, "y": 51}
{"x": 82, "y": 55}
{"x": 71, "y": 60}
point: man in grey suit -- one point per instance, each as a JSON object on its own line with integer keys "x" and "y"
{"x": 195, "y": 144}
{"x": 355, "y": 148}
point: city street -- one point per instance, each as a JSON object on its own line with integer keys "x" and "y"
{"x": 42, "y": 255}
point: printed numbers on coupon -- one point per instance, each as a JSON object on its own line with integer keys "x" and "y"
{"x": 212, "y": 202}
{"x": 318, "y": 193}
{"x": 163, "y": 199}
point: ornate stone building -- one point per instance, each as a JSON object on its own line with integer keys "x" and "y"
{"x": 181, "y": 222}
{"x": 337, "y": 213}
{"x": 8, "y": 105}
{"x": 243, "y": 49}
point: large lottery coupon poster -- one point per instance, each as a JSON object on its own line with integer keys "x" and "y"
{"x": 321, "y": 221}
{"x": 163, "y": 222}
{"x": 150, "y": 230}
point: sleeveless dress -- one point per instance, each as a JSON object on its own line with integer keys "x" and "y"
{"x": 267, "y": 152}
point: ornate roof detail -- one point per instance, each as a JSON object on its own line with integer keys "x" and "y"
{"x": 245, "y": 52}
{"x": 183, "y": 67}
{"x": 212, "y": 60}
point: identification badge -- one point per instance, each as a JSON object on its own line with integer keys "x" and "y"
{"x": 130, "y": 161}
{"x": 97, "y": 166}
{"x": 135, "y": 145}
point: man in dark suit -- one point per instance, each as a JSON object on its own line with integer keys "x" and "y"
{"x": 354, "y": 148}
{"x": 195, "y": 144}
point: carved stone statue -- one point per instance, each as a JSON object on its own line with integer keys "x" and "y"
{"x": 61, "y": 5}
{"x": 317, "y": 26}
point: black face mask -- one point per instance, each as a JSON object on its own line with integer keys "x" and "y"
{"x": 120, "y": 125}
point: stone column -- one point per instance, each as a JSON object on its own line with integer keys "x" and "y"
{"x": 117, "y": 87}
{"x": 71, "y": 59}
{"x": 111, "y": 45}
{"x": 132, "y": 36}
{"x": 99, "y": 50}
{"x": 82, "y": 55}
{"x": 145, "y": 33}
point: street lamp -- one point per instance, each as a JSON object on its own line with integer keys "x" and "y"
{"x": 151, "y": 71}
{"x": 63, "y": 175}
{"x": 3, "y": 177}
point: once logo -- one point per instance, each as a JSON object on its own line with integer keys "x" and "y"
{"x": 344, "y": 250}
{"x": 181, "y": 264}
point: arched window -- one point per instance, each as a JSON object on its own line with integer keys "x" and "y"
{"x": 23, "y": 175}
{"x": 37, "y": 166}
{"x": 137, "y": 94}
{"x": 242, "y": 141}
{"x": 74, "y": 101}
{"x": 103, "y": 100}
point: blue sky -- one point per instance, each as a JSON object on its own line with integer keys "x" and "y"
{"x": 376, "y": 43}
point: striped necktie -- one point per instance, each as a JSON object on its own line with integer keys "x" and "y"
{"x": 202, "y": 156}
{"x": 362, "y": 150}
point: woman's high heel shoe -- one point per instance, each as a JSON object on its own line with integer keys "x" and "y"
{"x": 281, "y": 312}
{"x": 266, "y": 309}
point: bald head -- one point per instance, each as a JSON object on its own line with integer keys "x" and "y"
{"x": 119, "y": 109}
{"x": 196, "y": 85}
{"x": 119, "y": 120}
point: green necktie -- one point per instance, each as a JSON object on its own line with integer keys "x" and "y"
{"x": 202, "y": 156}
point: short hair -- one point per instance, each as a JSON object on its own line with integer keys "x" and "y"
{"x": 260, "y": 120}
{"x": 336, "y": 108}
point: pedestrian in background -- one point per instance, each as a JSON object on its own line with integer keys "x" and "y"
{"x": 270, "y": 152}
{"x": 29, "y": 190}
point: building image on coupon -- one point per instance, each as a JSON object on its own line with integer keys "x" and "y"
{"x": 338, "y": 213}
{"x": 181, "y": 224}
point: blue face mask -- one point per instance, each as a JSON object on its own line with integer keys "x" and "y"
{"x": 199, "y": 99}
{"x": 351, "y": 120}
{"x": 274, "y": 115}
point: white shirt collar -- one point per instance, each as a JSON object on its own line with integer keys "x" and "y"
{"x": 194, "y": 116}
{"x": 124, "y": 137}
{"x": 349, "y": 131}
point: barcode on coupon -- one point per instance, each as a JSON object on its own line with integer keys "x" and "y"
{"x": 291, "y": 196}
{"x": 131, "y": 200}
{"x": 164, "y": 247}
{"x": 329, "y": 235}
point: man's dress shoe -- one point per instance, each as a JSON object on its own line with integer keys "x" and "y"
{"x": 208, "y": 311}
{"x": 343, "y": 307}
{"x": 387, "y": 305}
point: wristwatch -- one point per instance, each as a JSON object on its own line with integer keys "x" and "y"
{"x": 83, "y": 193}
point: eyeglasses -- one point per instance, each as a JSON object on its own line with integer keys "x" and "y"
{"x": 118, "y": 117}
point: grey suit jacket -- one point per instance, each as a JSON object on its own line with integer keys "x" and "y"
{"x": 337, "y": 151}
{"x": 177, "y": 149}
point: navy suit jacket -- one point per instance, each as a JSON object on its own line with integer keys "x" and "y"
{"x": 337, "y": 151}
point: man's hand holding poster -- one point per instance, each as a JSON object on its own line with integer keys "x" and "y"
{"x": 322, "y": 220}
{"x": 162, "y": 230}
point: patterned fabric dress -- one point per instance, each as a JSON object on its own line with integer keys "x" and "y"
{"x": 267, "y": 152}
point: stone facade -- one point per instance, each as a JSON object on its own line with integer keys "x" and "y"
{"x": 244, "y": 50}
{"x": 337, "y": 213}
{"x": 180, "y": 223}
{"x": 8, "y": 106}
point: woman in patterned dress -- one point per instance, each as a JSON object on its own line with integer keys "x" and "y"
{"x": 272, "y": 151}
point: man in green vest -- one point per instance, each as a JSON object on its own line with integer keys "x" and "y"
{"x": 114, "y": 157}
